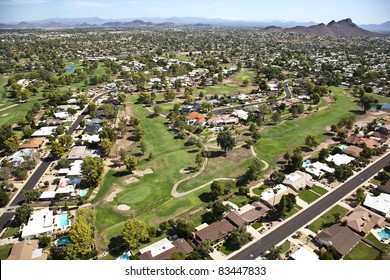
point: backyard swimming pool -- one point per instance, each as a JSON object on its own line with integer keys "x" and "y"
{"x": 70, "y": 69}
{"x": 63, "y": 220}
{"x": 83, "y": 192}
{"x": 63, "y": 241}
{"x": 384, "y": 233}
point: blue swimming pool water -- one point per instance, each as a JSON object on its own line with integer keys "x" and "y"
{"x": 63, "y": 220}
{"x": 83, "y": 192}
{"x": 343, "y": 147}
{"x": 385, "y": 233}
{"x": 386, "y": 105}
{"x": 70, "y": 69}
{"x": 124, "y": 257}
{"x": 63, "y": 241}
{"x": 306, "y": 164}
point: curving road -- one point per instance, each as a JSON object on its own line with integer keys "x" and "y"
{"x": 301, "y": 219}
{"x": 38, "y": 173}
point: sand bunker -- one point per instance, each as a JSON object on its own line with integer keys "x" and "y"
{"x": 132, "y": 180}
{"x": 142, "y": 173}
{"x": 113, "y": 194}
{"x": 123, "y": 207}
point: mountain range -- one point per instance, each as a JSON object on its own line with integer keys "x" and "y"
{"x": 342, "y": 28}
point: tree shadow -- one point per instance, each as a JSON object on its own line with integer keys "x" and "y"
{"x": 121, "y": 173}
{"x": 207, "y": 197}
{"x": 117, "y": 246}
{"x": 193, "y": 151}
{"x": 208, "y": 218}
{"x": 357, "y": 112}
{"x": 215, "y": 154}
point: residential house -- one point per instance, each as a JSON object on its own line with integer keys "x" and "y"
{"x": 318, "y": 169}
{"x": 34, "y": 143}
{"x": 80, "y": 152}
{"x": 44, "y": 221}
{"x": 272, "y": 196}
{"x": 223, "y": 120}
{"x": 27, "y": 250}
{"x": 379, "y": 204}
{"x": 241, "y": 114}
{"x": 354, "y": 139}
{"x": 298, "y": 180}
{"x": 247, "y": 214}
{"x": 342, "y": 238}
{"x": 214, "y": 231}
{"x": 163, "y": 249}
{"x": 21, "y": 156}
{"x": 370, "y": 143}
{"x": 195, "y": 118}
{"x": 353, "y": 151}
{"x": 362, "y": 220}
{"x": 44, "y": 131}
{"x": 88, "y": 138}
{"x": 340, "y": 159}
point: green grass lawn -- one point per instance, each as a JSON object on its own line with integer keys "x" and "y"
{"x": 10, "y": 232}
{"x": 308, "y": 196}
{"x": 225, "y": 250}
{"x": 224, "y": 89}
{"x": 245, "y": 74}
{"x": 381, "y": 98}
{"x": 277, "y": 140}
{"x": 4, "y": 251}
{"x": 285, "y": 246}
{"x": 327, "y": 218}
{"x": 377, "y": 242}
{"x": 362, "y": 252}
{"x": 259, "y": 190}
{"x": 240, "y": 200}
{"x": 232, "y": 166}
{"x": 256, "y": 225}
{"x": 319, "y": 190}
{"x": 295, "y": 209}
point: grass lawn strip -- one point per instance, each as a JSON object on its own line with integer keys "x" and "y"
{"x": 308, "y": 196}
{"x": 319, "y": 190}
{"x": 374, "y": 240}
{"x": 362, "y": 252}
{"x": 327, "y": 218}
{"x": 4, "y": 251}
{"x": 277, "y": 140}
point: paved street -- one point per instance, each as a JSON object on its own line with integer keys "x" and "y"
{"x": 294, "y": 224}
{"x": 36, "y": 176}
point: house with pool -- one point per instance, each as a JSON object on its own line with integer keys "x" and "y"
{"x": 45, "y": 222}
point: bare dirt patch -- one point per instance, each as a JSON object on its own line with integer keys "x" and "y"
{"x": 141, "y": 173}
{"x": 185, "y": 170}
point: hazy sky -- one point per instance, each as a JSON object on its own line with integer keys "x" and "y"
{"x": 360, "y": 11}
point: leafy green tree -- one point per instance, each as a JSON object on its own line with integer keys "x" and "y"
{"x": 105, "y": 146}
{"x": 57, "y": 150}
{"x": 92, "y": 109}
{"x": 343, "y": 172}
{"x": 255, "y": 135}
{"x": 264, "y": 110}
{"x": 11, "y": 144}
{"x": 44, "y": 241}
{"x": 226, "y": 141}
{"x": 169, "y": 95}
{"x": 217, "y": 188}
{"x": 360, "y": 195}
{"x": 157, "y": 110}
{"x": 199, "y": 160}
{"x": 367, "y": 101}
{"x": 131, "y": 163}
{"x": 276, "y": 117}
{"x": 296, "y": 160}
{"x": 4, "y": 198}
{"x": 66, "y": 141}
{"x": 323, "y": 154}
{"x": 316, "y": 98}
{"x": 277, "y": 177}
{"x": 22, "y": 214}
{"x": 138, "y": 132}
{"x": 218, "y": 209}
{"x": 274, "y": 253}
{"x": 238, "y": 238}
{"x": 92, "y": 170}
{"x": 178, "y": 255}
{"x": 5, "y": 133}
{"x": 134, "y": 232}
{"x": 254, "y": 170}
{"x": 31, "y": 195}
{"x": 82, "y": 235}
{"x": 311, "y": 141}
{"x": 143, "y": 147}
{"x": 121, "y": 97}
{"x": 27, "y": 132}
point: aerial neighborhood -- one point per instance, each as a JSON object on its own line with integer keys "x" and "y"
{"x": 186, "y": 142}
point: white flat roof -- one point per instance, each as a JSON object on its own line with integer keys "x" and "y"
{"x": 339, "y": 159}
{"x": 269, "y": 193}
{"x": 44, "y": 131}
{"x": 40, "y": 221}
{"x": 381, "y": 203}
{"x": 48, "y": 195}
{"x": 303, "y": 254}
{"x": 293, "y": 177}
{"x": 158, "y": 247}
